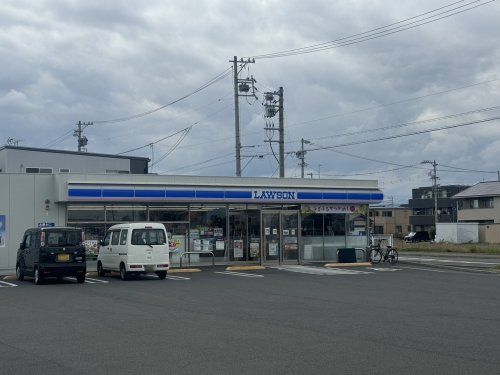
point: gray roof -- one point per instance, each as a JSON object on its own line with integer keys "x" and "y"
{"x": 6, "y": 147}
{"x": 482, "y": 189}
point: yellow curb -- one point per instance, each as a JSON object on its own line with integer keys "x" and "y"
{"x": 245, "y": 268}
{"x": 183, "y": 270}
{"x": 10, "y": 277}
{"x": 360, "y": 264}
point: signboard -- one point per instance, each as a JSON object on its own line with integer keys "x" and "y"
{"x": 273, "y": 249}
{"x": 254, "y": 249}
{"x": 330, "y": 208}
{"x": 177, "y": 244}
{"x": 46, "y": 225}
{"x": 3, "y": 231}
{"x": 218, "y": 232}
{"x": 238, "y": 248}
{"x": 219, "y": 245}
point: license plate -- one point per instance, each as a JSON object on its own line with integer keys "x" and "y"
{"x": 63, "y": 257}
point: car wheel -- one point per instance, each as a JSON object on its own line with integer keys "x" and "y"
{"x": 19, "y": 273}
{"x": 38, "y": 276}
{"x": 161, "y": 274}
{"x": 123, "y": 272}
{"x": 100, "y": 270}
{"x": 80, "y": 279}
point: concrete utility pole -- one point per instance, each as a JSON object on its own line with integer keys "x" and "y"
{"x": 434, "y": 188}
{"x": 302, "y": 156}
{"x": 240, "y": 85}
{"x": 272, "y": 106}
{"x": 81, "y": 139}
{"x": 282, "y": 132}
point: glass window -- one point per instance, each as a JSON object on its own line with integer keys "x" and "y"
{"x": 85, "y": 213}
{"x": 32, "y": 170}
{"x": 126, "y": 213}
{"x": 105, "y": 242}
{"x": 115, "y": 237}
{"x": 123, "y": 237}
{"x": 386, "y": 213}
{"x": 63, "y": 238}
{"x": 334, "y": 229}
{"x": 148, "y": 237}
{"x": 27, "y": 241}
{"x": 168, "y": 213}
{"x": 357, "y": 234}
{"x": 45, "y": 170}
{"x": 208, "y": 230}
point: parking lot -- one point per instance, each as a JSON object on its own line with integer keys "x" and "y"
{"x": 288, "y": 319}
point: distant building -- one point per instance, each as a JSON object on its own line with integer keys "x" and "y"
{"x": 15, "y": 159}
{"x": 422, "y": 206}
{"x": 390, "y": 220}
{"x": 481, "y": 204}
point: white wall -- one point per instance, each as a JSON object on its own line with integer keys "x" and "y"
{"x": 457, "y": 232}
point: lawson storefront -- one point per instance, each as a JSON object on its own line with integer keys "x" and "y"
{"x": 237, "y": 219}
{"x": 263, "y": 220}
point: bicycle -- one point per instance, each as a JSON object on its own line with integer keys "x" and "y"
{"x": 383, "y": 251}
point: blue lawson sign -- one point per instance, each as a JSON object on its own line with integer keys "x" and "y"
{"x": 140, "y": 194}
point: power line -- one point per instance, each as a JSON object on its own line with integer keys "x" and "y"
{"x": 217, "y": 78}
{"x": 380, "y": 32}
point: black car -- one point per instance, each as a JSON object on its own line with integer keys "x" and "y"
{"x": 418, "y": 236}
{"x": 51, "y": 252}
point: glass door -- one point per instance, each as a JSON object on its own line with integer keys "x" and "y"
{"x": 238, "y": 245}
{"x": 271, "y": 235}
{"x": 290, "y": 233}
{"x": 177, "y": 236}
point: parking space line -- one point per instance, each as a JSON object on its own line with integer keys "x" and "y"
{"x": 239, "y": 274}
{"x": 97, "y": 280}
{"x": 384, "y": 269}
{"x": 7, "y": 285}
{"x": 87, "y": 281}
{"x": 423, "y": 269}
{"x": 177, "y": 278}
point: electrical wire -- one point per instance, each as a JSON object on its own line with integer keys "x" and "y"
{"x": 214, "y": 80}
{"x": 380, "y": 32}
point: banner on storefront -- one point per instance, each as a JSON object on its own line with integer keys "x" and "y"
{"x": 331, "y": 208}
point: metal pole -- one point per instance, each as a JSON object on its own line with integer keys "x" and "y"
{"x": 237, "y": 117}
{"x": 282, "y": 134}
{"x": 79, "y": 132}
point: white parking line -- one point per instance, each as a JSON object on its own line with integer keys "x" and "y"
{"x": 449, "y": 261}
{"x": 320, "y": 271}
{"x": 239, "y": 274}
{"x": 86, "y": 280}
{"x": 423, "y": 269}
{"x": 384, "y": 269}
{"x": 97, "y": 280}
{"x": 177, "y": 278}
{"x": 7, "y": 285}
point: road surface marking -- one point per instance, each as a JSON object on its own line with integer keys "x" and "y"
{"x": 423, "y": 269}
{"x": 177, "y": 278}
{"x": 320, "y": 271}
{"x": 239, "y": 274}
{"x": 97, "y": 280}
{"x": 86, "y": 280}
{"x": 7, "y": 285}
{"x": 384, "y": 269}
{"x": 449, "y": 261}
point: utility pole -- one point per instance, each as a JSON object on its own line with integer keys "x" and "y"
{"x": 434, "y": 188}
{"x": 302, "y": 156}
{"x": 243, "y": 86}
{"x": 282, "y": 132}
{"x": 81, "y": 139}
{"x": 273, "y": 105}
{"x": 310, "y": 174}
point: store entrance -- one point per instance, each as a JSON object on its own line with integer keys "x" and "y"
{"x": 177, "y": 235}
{"x": 281, "y": 236}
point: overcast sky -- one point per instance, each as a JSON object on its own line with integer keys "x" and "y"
{"x": 69, "y": 61}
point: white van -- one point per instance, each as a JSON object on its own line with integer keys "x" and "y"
{"x": 134, "y": 248}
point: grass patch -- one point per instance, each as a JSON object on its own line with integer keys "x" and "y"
{"x": 442, "y": 247}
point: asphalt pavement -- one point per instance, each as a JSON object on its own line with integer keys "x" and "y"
{"x": 404, "y": 319}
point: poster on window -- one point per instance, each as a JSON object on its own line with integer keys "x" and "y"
{"x": 254, "y": 249}
{"x": 3, "y": 231}
{"x": 218, "y": 232}
{"x": 238, "y": 248}
{"x": 273, "y": 249}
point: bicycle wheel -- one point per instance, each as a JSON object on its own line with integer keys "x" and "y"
{"x": 375, "y": 256}
{"x": 392, "y": 256}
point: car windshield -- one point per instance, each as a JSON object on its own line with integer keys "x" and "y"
{"x": 63, "y": 238}
{"x": 148, "y": 237}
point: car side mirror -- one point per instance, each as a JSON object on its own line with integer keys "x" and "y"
{"x": 21, "y": 246}
{"x": 101, "y": 242}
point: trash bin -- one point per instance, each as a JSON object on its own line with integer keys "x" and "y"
{"x": 347, "y": 255}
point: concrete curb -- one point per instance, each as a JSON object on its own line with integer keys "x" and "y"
{"x": 9, "y": 277}
{"x": 245, "y": 268}
{"x": 183, "y": 270}
{"x": 360, "y": 264}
